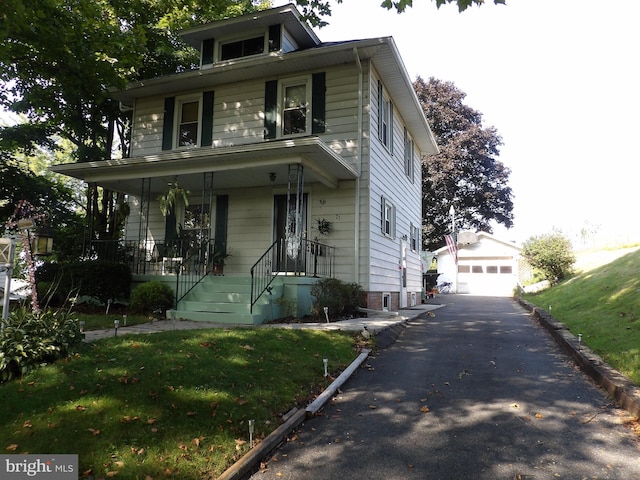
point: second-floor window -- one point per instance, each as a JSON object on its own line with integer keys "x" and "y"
{"x": 408, "y": 156}
{"x": 295, "y": 106}
{"x": 188, "y": 121}
{"x": 189, "y": 116}
{"x": 385, "y": 118}
{"x": 294, "y": 111}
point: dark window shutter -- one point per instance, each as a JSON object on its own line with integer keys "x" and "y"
{"x": 380, "y": 100}
{"x": 207, "y": 51}
{"x": 391, "y": 128}
{"x": 274, "y": 38}
{"x": 207, "y": 119}
{"x": 270, "y": 108}
{"x": 167, "y": 126}
{"x": 170, "y": 231}
{"x": 318, "y": 103}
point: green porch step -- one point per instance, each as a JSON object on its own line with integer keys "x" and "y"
{"x": 223, "y": 299}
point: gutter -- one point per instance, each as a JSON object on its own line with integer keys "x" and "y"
{"x": 356, "y": 233}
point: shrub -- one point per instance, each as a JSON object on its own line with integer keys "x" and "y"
{"x": 29, "y": 340}
{"x": 150, "y": 297}
{"x": 552, "y": 254}
{"x": 93, "y": 278}
{"x": 343, "y": 299}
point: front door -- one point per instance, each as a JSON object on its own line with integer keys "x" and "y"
{"x": 289, "y": 230}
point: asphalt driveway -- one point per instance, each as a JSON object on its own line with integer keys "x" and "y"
{"x": 479, "y": 391}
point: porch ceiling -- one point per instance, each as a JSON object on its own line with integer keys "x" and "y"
{"x": 233, "y": 167}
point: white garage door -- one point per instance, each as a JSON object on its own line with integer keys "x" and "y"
{"x": 490, "y": 278}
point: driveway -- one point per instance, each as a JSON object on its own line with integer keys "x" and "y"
{"x": 479, "y": 391}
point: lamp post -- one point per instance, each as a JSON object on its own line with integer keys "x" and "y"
{"x": 24, "y": 219}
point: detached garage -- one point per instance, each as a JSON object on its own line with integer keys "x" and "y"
{"x": 486, "y": 265}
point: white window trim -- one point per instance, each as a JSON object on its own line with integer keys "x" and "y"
{"x": 388, "y": 206}
{"x": 177, "y": 116}
{"x": 409, "y": 156}
{"x": 305, "y": 80}
{"x": 385, "y": 118}
{"x": 237, "y": 38}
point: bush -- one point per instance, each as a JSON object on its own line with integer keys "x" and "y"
{"x": 552, "y": 254}
{"x": 29, "y": 340}
{"x": 93, "y": 278}
{"x": 343, "y": 299}
{"x": 150, "y": 297}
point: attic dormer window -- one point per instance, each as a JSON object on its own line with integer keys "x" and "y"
{"x": 242, "y": 48}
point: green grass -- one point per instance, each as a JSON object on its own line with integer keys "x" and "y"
{"x": 168, "y": 405}
{"x": 602, "y": 302}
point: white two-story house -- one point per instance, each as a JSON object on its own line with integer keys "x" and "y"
{"x": 301, "y": 160}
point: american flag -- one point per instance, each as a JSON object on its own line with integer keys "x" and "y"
{"x": 452, "y": 246}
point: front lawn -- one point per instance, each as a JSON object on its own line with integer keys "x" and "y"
{"x": 171, "y": 404}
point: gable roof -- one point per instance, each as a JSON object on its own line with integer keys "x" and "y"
{"x": 481, "y": 235}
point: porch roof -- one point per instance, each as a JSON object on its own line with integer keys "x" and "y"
{"x": 249, "y": 165}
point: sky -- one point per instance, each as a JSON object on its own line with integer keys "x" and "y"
{"x": 558, "y": 79}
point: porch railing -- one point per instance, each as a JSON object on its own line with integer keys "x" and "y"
{"x": 286, "y": 257}
{"x": 189, "y": 260}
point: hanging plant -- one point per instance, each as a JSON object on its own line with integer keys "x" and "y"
{"x": 324, "y": 226}
{"x": 172, "y": 197}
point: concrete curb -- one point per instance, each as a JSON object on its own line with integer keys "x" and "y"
{"x": 623, "y": 391}
{"x": 249, "y": 461}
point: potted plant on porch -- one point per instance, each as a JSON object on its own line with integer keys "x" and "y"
{"x": 218, "y": 259}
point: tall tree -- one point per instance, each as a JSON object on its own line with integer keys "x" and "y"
{"x": 58, "y": 58}
{"x": 466, "y": 173}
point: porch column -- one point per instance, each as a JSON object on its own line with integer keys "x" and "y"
{"x": 143, "y": 226}
{"x": 293, "y": 229}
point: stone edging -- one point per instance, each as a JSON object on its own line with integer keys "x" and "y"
{"x": 624, "y": 392}
{"x": 248, "y": 462}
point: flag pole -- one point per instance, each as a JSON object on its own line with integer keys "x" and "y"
{"x": 452, "y": 212}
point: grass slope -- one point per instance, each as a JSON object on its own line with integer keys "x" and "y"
{"x": 602, "y": 302}
{"x": 167, "y": 405}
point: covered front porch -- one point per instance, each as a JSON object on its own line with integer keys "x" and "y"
{"x": 247, "y": 223}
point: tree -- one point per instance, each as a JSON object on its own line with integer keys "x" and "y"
{"x": 465, "y": 174}
{"x": 401, "y": 5}
{"x": 551, "y": 253}
{"x": 57, "y": 61}
{"x": 50, "y": 195}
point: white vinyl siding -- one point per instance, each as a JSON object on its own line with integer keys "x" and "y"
{"x": 238, "y": 115}
{"x": 388, "y": 180}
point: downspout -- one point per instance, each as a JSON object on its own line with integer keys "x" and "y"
{"x": 356, "y": 234}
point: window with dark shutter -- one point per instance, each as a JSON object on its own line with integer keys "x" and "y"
{"x": 270, "y": 108}
{"x": 318, "y": 102}
{"x": 207, "y": 51}
{"x": 167, "y": 126}
{"x": 207, "y": 119}
{"x": 274, "y": 38}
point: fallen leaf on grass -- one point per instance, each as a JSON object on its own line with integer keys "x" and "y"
{"x": 80, "y": 408}
{"x": 27, "y": 424}
{"x": 241, "y": 401}
{"x": 247, "y": 347}
{"x": 192, "y": 414}
{"x": 113, "y": 473}
{"x": 13, "y": 447}
{"x": 94, "y": 431}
